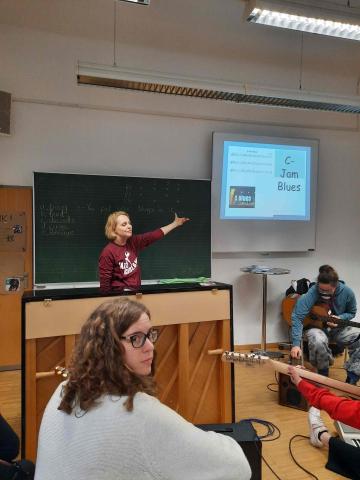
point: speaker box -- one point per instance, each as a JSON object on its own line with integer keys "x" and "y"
{"x": 245, "y": 435}
{"x": 5, "y": 105}
{"x": 289, "y": 395}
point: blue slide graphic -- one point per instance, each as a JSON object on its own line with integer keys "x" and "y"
{"x": 262, "y": 181}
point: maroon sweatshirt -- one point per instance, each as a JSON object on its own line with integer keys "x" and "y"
{"x": 118, "y": 265}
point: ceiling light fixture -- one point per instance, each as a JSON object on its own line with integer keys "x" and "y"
{"x": 322, "y": 18}
{"x": 139, "y": 2}
{"x": 169, "y": 84}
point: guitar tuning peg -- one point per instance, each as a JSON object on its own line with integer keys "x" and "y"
{"x": 62, "y": 371}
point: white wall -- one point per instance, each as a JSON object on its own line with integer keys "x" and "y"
{"x": 61, "y": 127}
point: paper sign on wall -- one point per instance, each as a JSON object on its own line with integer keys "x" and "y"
{"x": 11, "y": 273}
{"x": 12, "y": 231}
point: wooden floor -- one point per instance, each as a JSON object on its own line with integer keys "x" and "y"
{"x": 253, "y": 400}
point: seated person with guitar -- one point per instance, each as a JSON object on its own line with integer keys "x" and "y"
{"x": 338, "y": 304}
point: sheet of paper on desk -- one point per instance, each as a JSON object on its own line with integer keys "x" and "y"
{"x": 256, "y": 269}
{"x": 279, "y": 271}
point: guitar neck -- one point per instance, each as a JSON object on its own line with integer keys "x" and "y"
{"x": 236, "y": 357}
{"x": 338, "y": 321}
{"x": 253, "y": 358}
{"x": 317, "y": 378}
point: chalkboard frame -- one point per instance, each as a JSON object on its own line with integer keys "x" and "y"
{"x": 184, "y": 253}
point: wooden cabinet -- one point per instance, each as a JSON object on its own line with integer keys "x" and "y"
{"x": 191, "y": 321}
{"x": 14, "y": 200}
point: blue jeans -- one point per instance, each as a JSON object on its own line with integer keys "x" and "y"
{"x": 320, "y": 355}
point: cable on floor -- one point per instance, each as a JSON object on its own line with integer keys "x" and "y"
{"x": 295, "y": 461}
{"x": 276, "y": 384}
{"x": 272, "y": 429}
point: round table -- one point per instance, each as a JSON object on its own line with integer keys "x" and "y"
{"x": 264, "y": 272}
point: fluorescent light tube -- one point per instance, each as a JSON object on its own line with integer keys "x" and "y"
{"x": 305, "y": 18}
{"x": 139, "y": 2}
{"x": 216, "y": 89}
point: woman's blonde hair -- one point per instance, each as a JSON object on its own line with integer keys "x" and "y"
{"x": 111, "y": 224}
{"x": 97, "y": 366}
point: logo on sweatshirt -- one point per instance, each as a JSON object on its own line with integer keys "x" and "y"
{"x": 127, "y": 266}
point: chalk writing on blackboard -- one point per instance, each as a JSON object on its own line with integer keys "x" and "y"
{"x": 71, "y": 212}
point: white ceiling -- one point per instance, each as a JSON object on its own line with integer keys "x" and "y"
{"x": 94, "y": 18}
{"x": 187, "y": 25}
{"x": 194, "y": 27}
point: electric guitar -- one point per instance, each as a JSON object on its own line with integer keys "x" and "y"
{"x": 318, "y": 316}
{"x": 254, "y": 359}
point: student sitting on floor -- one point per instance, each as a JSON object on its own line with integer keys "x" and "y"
{"x": 343, "y": 458}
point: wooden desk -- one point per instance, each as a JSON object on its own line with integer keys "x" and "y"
{"x": 191, "y": 319}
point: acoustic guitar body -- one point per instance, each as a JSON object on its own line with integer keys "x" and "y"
{"x": 317, "y": 317}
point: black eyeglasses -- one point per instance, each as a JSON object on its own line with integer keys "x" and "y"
{"x": 138, "y": 339}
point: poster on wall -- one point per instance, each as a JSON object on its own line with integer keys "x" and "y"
{"x": 12, "y": 273}
{"x": 12, "y": 231}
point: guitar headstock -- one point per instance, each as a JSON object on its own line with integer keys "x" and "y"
{"x": 61, "y": 371}
{"x": 247, "y": 358}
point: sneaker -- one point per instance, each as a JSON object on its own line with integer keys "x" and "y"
{"x": 316, "y": 427}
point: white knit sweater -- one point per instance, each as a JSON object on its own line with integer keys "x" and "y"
{"x": 151, "y": 442}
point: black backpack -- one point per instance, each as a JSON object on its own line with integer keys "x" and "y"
{"x": 20, "y": 470}
{"x": 298, "y": 286}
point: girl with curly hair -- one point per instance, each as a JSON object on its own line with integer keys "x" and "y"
{"x": 105, "y": 423}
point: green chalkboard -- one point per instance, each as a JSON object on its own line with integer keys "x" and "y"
{"x": 71, "y": 212}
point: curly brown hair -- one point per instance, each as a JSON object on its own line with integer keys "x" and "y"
{"x": 97, "y": 365}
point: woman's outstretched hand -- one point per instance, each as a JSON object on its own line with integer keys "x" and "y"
{"x": 294, "y": 375}
{"x": 178, "y": 221}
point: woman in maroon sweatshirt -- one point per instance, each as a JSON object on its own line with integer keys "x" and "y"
{"x": 118, "y": 263}
{"x": 343, "y": 458}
